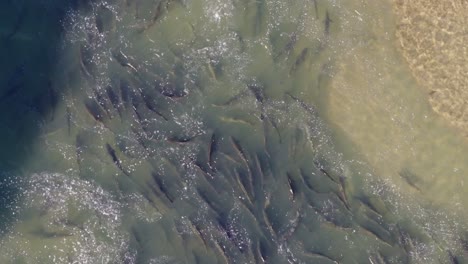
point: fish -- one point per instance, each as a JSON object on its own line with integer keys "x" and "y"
{"x": 319, "y": 255}
{"x": 288, "y": 47}
{"x": 315, "y": 8}
{"x": 327, "y": 22}
{"x": 103, "y": 102}
{"x": 104, "y": 19}
{"x": 245, "y": 184}
{"x": 162, "y": 186}
{"x": 412, "y": 179}
{"x": 257, "y": 91}
{"x": 86, "y": 61}
{"x": 157, "y": 13}
{"x": 293, "y": 186}
{"x": 170, "y": 90}
{"x": 240, "y": 152}
{"x": 123, "y": 60}
{"x": 15, "y": 82}
{"x": 115, "y": 159}
{"x": 213, "y": 150}
{"x": 299, "y": 60}
{"x": 69, "y": 119}
{"x": 303, "y": 104}
{"x": 18, "y": 23}
{"x": 372, "y": 228}
{"x": 114, "y": 99}
{"x": 181, "y": 139}
{"x": 95, "y": 111}
{"x": 152, "y": 107}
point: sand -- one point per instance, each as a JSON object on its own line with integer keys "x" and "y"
{"x": 433, "y": 38}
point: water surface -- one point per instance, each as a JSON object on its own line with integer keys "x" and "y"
{"x": 234, "y": 132}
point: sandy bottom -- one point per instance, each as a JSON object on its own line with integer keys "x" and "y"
{"x": 432, "y": 36}
{"x": 376, "y": 103}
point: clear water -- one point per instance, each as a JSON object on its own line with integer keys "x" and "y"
{"x": 221, "y": 131}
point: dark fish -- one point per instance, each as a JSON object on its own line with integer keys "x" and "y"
{"x": 405, "y": 241}
{"x": 162, "y": 186}
{"x": 291, "y": 43}
{"x": 234, "y": 99}
{"x": 48, "y": 234}
{"x": 293, "y": 186}
{"x": 123, "y": 60}
{"x": 213, "y": 149}
{"x": 114, "y": 158}
{"x": 126, "y": 94}
{"x": 86, "y": 61}
{"x": 46, "y": 102}
{"x": 198, "y": 231}
{"x": 240, "y": 152}
{"x": 266, "y": 222}
{"x": 377, "y": 259}
{"x": 319, "y": 255}
{"x": 69, "y": 120}
{"x": 259, "y": 254}
{"x": 170, "y": 90}
{"x": 205, "y": 169}
{"x": 300, "y": 60}
{"x": 303, "y": 104}
{"x": 79, "y": 145}
{"x": 291, "y": 227}
{"x": 180, "y": 139}
{"x": 241, "y": 186}
{"x": 289, "y": 46}
{"x": 452, "y": 257}
{"x": 327, "y": 174}
{"x": 222, "y": 250}
{"x": 152, "y": 107}
{"x": 257, "y": 92}
{"x": 371, "y": 204}
{"x": 95, "y": 111}
{"x": 260, "y": 16}
{"x": 375, "y": 230}
{"x": 18, "y": 23}
{"x": 137, "y": 237}
{"x": 342, "y": 192}
{"x": 265, "y": 250}
{"x": 52, "y": 95}
{"x": 156, "y": 15}
{"x": 258, "y": 179}
{"x": 245, "y": 184}
{"x": 275, "y": 126}
{"x": 306, "y": 181}
{"x": 103, "y": 102}
{"x": 330, "y": 218}
{"x": 464, "y": 244}
{"x": 104, "y": 19}
{"x": 327, "y": 22}
{"x": 156, "y": 190}
{"x": 114, "y": 99}
{"x": 15, "y": 82}
{"x": 412, "y": 179}
{"x": 211, "y": 199}
{"x": 316, "y": 8}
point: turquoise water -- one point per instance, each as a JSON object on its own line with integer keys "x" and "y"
{"x": 217, "y": 132}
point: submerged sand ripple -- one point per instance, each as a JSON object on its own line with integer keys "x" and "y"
{"x": 433, "y": 36}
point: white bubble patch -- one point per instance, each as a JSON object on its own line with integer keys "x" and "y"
{"x": 66, "y": 220}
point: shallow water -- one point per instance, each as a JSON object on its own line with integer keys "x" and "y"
{"x": 232, "y": 132}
